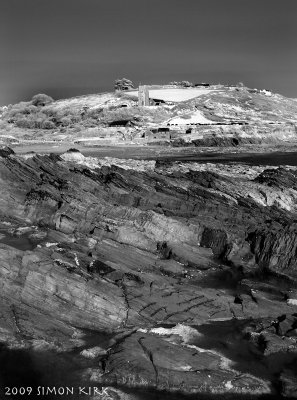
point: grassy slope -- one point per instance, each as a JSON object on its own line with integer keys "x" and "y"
{"x": 87, "y": 115}
{"x": 240, "y": 104}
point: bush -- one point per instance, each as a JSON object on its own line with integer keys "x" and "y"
{"x": 182, "y": 83}
{"x": 40, "y": 100}
{"x": 49, "y": 112}
{"x": 25, "y": 123}
{"x": 17, "y": 110}
{"x": 75, "y": 118}
{"x": 39, "y": 122}
{"x": 186, "y": 84}
{"x": 30, "y": 109}
{"x": 94, "y": 113}
{"x": 65, "y": 121}
{"x": 48, "y": 124}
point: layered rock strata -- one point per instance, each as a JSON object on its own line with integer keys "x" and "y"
{"x": 161, "y": 257}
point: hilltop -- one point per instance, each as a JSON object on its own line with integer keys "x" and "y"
{"x": 216, "y": 115}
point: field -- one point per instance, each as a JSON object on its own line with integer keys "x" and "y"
{"x": 175, "y": 95}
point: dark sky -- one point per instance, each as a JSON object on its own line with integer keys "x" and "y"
{"x": 70, "y": 47}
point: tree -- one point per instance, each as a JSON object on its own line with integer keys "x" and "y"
{"x": 123, "y": 84}
{"x": 186, "y": 84}
{"x": 182, "y": 83}
{"x": 41, "y": 99}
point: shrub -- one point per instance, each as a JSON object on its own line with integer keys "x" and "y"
{"x": 40, "y": 100}
{"x": 74, "y": 118}
{"x": 30, "y": 109}
{"x": 94, "y": 113}
{"x": 48, "y": 124}
{"x": 182, "y": 83}
{"x": 186, "y": 84}
{"x": 25, "y": 123}
{"x": 39, "y": 122}
{"x": 17, "y": 109}
{"x": 49, "y": 112}
{"x": 65, "y": 121}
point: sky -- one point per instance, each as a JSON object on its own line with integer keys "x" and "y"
{"x": 67, "y": 48}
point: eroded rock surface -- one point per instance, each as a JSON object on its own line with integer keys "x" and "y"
{"x": 183, "y": 266}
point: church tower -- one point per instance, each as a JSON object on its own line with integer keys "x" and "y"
{"x": 143, "y": 96}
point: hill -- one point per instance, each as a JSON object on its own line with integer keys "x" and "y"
{"x": 152, "y": 273}
{"x": 210, "y": 116}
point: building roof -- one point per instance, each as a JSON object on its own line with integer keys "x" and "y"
{"x": 122, "y": 122}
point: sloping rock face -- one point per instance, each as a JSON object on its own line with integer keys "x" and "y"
{"x": 188, "y": 269}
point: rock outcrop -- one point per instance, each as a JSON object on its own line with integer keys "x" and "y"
{"x": 160, "y": 257}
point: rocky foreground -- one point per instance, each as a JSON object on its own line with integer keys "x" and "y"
{"x": 152, "y": 275}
